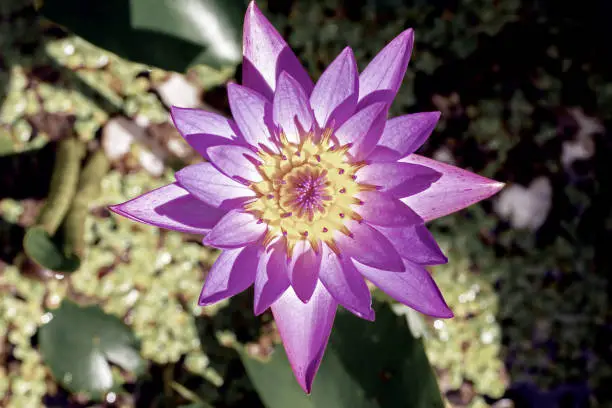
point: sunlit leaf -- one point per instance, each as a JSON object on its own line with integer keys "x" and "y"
{"x": 169, "y": 34}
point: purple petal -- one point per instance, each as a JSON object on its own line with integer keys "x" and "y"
{"x": 203, "y": 129}
{"x": 190, "y": 121}
{"x": 382, "y": 209}
{"x": 272, "y": 277}
{"x": 266, "y": 55}
{"x": 171, "y": 207}
{"x": 237, "y": 162}
{"x": 304, "y": 270}
{"x": 206, "y": 183}
{"x": 455, "y": 190}
{"x": 305, "y": 329}
{"x": 398, "y": 179}
{"x": 236, "y": 229}
{"x": 291, "y": 109}
{"x": 334, "y": 97}
{"x": 369, "y": 247}
{"x": 253, "y": 115}
{"x": 363, "y": 130}
{"x": 345, "y": 284}
{"x": 414, "y": 288}
{"x": 403, "y": 135}
{"x": 232, "y": 272}
{"x": 415, "y": 243}
{"x": 383, "y": 76}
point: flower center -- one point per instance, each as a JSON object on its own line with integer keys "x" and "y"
{"x": 305, "y": 191}
{"x": 308, "y": 191}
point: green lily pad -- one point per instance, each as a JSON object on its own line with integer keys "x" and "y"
{"x": 46, "y": 252}
{"x": 80, "y": 343}
{"x": 169, "y": 34}
{"x": 366, "y": 365}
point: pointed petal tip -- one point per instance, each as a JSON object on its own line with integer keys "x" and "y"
{"x": 347, "y": 51}
{"x": 370, "y": 316}
{"x": 383, "y": 76}
{"x": 203, "y": 302}
{"x": 169, "y": 207}
{"x": 252, "y": 7}
{"x": 252, "y": 12}
{"x": 334, "y": 97}
{"x": 455, "y": 190}
{"x": 407, "y": 35}
{"x": 118, "y": 209}
{"x": 266, "y": 54}
{"x": 442, "y": 310}
{"x": 177, "y": 110}
{"x": 258, "y": 310}
{"x": 304, "y": 330}
{"x": 404, "y": 40}
{"x": 497, "y": 186}
{"x": 303, "y": 296}
{"x": 443, "y": 314}
{"x": 286, "y": 78}
{"x": 207, "y": 299}
{"x": 307, "y": 388}
{"x": 491, "y": 187}
{"x": 306, "y": 379}
{"x": 428, "y": 119}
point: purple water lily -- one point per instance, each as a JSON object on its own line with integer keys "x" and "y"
{"x": 310, "y": 190}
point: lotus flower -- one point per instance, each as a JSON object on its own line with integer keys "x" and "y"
{"x": 310, "y": 190}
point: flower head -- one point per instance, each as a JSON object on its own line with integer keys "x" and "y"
{"x": 310, "y": 190}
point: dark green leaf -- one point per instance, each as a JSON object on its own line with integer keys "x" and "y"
{"x": 169, "y": 34}
{"x": 366, "y": 365}
{"x": 79, "y": 343}
{"x": 46, "y": 252}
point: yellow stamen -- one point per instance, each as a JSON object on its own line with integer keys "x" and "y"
{"x": 308, "y": 191}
